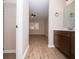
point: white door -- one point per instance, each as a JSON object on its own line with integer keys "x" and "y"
{"x": 19, "y": 30}
{"x": 22, "y": 30}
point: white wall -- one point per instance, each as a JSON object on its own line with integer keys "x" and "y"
{"x": 55, "y": 22}
{"x": 9, "y": 27}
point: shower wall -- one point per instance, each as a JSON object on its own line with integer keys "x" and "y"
{"x": 38, "y": 17}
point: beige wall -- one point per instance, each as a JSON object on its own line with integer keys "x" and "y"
{"x": 10, "y": 1}
{"x": 41, "y": 28}
{"x": 9, "y": 26}
{"x": 40, "y": 8}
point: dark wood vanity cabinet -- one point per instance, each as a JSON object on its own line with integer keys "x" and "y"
{"x": 65, "y": 42}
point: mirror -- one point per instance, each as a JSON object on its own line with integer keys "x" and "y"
{"x": 69, "y": 16}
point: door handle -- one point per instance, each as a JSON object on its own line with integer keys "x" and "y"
{"x": 16, "y": 26}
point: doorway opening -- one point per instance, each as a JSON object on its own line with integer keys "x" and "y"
{"x": 38, "y": 27}
{"x": 38, "y": 32}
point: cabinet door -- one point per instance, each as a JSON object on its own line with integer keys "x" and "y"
{"x": 56, "y": 41}
{"x": 62, "y": 42}
{"x": 64, "y": 45}
{"x": 73, "y": 46}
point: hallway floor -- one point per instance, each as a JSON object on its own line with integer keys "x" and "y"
{"x": 39, "y": 49}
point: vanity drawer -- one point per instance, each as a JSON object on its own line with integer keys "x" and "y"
{"x": 63, "y": 33}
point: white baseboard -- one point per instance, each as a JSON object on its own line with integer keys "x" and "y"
{"x": 26, "y": 51}
{"x": 9, "y": 51}
{"x": 51, "y": 46}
